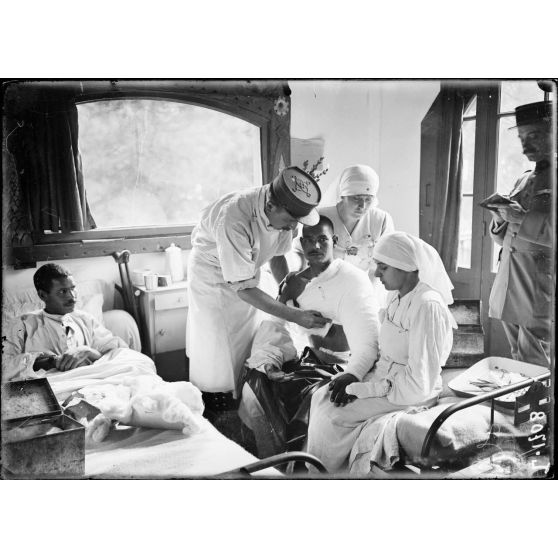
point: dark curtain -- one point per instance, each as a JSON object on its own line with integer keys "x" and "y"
{"x": 50, "y": 170}
{"x": 449, "y": 162}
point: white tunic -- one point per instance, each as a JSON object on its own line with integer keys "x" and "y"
{"x": 32, "y": 334}
{"x": 344, "y": 294}
{"x": 357, "y": 247}
{"x": 230, "y": 244}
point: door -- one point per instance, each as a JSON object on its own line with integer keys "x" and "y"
{"x": 492, "y": 161}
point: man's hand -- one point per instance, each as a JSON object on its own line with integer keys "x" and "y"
{"x": 339, "y": 397}
{"x": 45, "y": 361}
{"x": 311, "y": 319}
{"x": 512, "y": 213}
{"x": 275, "y": 374}
{"x": 77, "y": 357}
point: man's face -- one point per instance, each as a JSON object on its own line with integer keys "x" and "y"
{"x": 317, "y": 243}
{"x": 357, "y": 206}
{"x": 536, "y": 141}
{"x": 280, "y": 219}
{"x": 61, "y": 299}
{"x": 392, "y": 278}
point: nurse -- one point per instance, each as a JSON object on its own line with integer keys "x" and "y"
{"x": 358, "y": 222}
{"x": 414, "y": 343}
{"x": 236, "y": 235}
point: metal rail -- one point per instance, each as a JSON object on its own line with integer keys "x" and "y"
{"x": 279, "y": 459}
{"x": 446, "y": 413}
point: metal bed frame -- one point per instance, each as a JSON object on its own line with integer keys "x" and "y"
{"x": 289, "y": 457}
{"x": 536, "y": 398}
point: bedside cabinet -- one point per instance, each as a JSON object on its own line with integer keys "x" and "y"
{"x": 163, "y": 313}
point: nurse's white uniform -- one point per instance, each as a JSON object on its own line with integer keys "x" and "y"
{"x": 232, "y": 241}
{"x": 415, "y": 342}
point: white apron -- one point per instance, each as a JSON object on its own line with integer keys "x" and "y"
{"x": 220, "y": 328}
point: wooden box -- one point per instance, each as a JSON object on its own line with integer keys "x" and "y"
{"x": 38, "y": 440}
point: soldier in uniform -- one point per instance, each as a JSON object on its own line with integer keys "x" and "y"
{"x": 521, "y": 295}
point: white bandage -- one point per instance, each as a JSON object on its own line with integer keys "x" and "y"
{"x": 362, "y": 390}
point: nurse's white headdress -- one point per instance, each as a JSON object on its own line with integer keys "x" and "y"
{"x": 409, "y": 253}
{"x": 355, "y": 180}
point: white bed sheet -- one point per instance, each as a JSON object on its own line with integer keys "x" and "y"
{"x": 131, "y": 452}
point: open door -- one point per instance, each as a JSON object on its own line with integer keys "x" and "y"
{"x": 492, "y": 160}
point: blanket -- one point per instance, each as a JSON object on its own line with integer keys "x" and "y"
{"x": 124, "y": 386}
{"x": 378, "y": 444}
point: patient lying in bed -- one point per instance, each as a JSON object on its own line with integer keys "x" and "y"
{"x": 83, "y": 359}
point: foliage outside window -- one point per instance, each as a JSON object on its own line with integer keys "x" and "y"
{"x": 98, "y": 166}
{"x": 149, "y": 163}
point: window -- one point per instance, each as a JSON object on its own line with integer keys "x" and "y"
{"x": 153, "y": 153}
{"x": 149, "y": 163}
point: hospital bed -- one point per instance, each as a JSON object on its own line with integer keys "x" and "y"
{"x": 468, "y": 425}
{"x": 138, "y": 452}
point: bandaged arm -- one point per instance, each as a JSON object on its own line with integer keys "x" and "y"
{"x": 358, "y": 316}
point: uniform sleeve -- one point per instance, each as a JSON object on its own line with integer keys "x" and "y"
{"x": 430, "y": 341}
{"x": 15, "y": 361}
{"x": 234, "y": 249}
{"x": 536, "y": 226}
{"x": 498, "y": 231}
{"x": 358, "y": 316}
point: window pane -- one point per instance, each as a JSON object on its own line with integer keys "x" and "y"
{"x": 465, "y": 232}
{"x": 515, "y": 93}
{"x": 467, "y": 184}
{"x": 511, "y": 161}
{"x": 511, "y": 165}
{"x": 471, "y": 109}
{"x": 151, "y": 162}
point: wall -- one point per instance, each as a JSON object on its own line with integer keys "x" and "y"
{"x": 89, "y": 268}
{"x": 370, "y": 122}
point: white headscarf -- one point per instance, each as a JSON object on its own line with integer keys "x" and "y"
{"x": 409, "y": 253}
{"x": 356, "y": 180}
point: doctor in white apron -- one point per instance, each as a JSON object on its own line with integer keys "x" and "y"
{"x": 414, "y": 343}
{"x": 236, "y": 235}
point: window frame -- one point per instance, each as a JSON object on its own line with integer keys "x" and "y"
{"x": 253, "y": 102}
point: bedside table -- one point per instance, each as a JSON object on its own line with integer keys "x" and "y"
{"x": 163, "y": 313}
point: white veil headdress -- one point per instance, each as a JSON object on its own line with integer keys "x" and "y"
{"x": 353, "y": 181}
{"x": 409, "y": 253}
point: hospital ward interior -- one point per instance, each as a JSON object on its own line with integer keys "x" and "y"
{"x": 278, "y": 279}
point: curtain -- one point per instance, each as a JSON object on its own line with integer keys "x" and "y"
{"x": 50, "y": 170}
{"x": 447, "y": 186}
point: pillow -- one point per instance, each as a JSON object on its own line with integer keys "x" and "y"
{"x": 92, "y": 304}
{"x": 16, "y": 303}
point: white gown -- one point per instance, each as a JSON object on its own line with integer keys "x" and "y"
{"x": 415, "y": 341}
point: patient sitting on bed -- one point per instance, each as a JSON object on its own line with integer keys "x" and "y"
{"x": 57, "y": 337}
{"x": 340, "y": 292}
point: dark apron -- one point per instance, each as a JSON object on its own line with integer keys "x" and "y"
{"x": 287, "y": 404}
